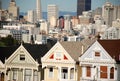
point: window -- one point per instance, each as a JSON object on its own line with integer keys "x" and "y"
{"x": 64, "y": 73}
{"x": 112, "y": 73}
{"x": 97, "y": 54}
{"x": 14, "y": 74}
{"x": 88, "y": 71}
{"x": 22, "y": 57}
{"x": 72, "y": 73}
{"x": 51, "y": 72}
{"x": 28, "y": 74}
{"x": 103, "y": 71}
{"x": 35, "y": 76}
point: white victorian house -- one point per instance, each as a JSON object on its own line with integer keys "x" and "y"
{"x": 21, "y": 66}
{"x": 101, "y": 61}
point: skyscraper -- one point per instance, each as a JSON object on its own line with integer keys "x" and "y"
{"x": 38, "y": 10}
{"x": 13, "y": 9}
{"x": 31, "y": 16}
{"x": 107, "y": 13}
{"x": 83, "y": 5}
{"x": 52, "y": 16}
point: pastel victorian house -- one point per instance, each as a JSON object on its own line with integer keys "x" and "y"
{"x": 22, "y": 63}
{"x": 101, "y": 61}
{"x": 61, "y": 63}
{"x": 21, "y": 66}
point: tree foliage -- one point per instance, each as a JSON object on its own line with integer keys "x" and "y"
{"x": 8, "y": 41}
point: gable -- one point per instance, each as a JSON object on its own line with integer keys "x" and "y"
{"x": 57, "y": 54}
{"x": 20, "y": 57}
{"x": 96, "y": 53}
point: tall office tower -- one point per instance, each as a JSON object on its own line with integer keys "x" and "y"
{"x": 13, "y": 9}
{"x": 116, "y": 13}
{"x": 38, "y": 10}
{"x": 52, "y": 14}
{"x": 83, "y": 5}
{"x": 107, "y": 13}
{"x": 67, "y": 23}
{"x": 31, "y": 16}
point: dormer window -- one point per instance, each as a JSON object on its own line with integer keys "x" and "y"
{"x": 97, "y": 54}
{"x": 22, "y": 57}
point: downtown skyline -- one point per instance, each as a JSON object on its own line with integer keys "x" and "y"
{"x": 63, "y": 5}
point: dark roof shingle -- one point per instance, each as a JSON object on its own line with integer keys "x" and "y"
{"x": 112, "y": 47}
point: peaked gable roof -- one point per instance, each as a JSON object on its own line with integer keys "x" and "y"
{"x": 5, "y": 52}
{"x": 36, "y": 51}
{"x": 76, "y": 49}
{"x": 73, "y": 48}
{"x": 112, "y": 47}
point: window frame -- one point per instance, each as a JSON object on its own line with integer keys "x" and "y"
{"x": 22, "y": 57}
{"x": 104, "y": 72}
{"x": 51, "y": 72}
{"x": 88, "y": 71}
{"x": 28, "y": 75}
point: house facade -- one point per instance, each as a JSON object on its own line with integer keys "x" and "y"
{"x": 22, "y": 62}
{"x": 100, "y": 62}
{"x": 21, "y": 66}
{"x": 60, "y": 63}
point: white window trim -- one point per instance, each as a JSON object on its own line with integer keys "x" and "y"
{"x": 49, "y": 73}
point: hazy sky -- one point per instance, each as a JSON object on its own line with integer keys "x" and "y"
{"x": 64, "y": 5}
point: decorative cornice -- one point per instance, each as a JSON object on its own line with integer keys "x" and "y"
{"x": 97, "y": 61}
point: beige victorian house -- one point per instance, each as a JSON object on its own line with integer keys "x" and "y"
{"x": 21, "y": 66}
{"x": 22, "y": 62}
{"x": 60, "y": 63}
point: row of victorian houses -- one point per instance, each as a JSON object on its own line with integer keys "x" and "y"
{"x": 87, "y": 60}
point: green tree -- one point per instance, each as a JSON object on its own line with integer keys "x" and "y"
{"x": 8, "y": 41}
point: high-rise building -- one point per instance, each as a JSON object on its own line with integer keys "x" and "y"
{"x": 83, "y": 5}
{"x": 31, "y": 16}
{"x": 107, "y": 13}
{"x": 67, "y": 23}
{"x": 13, "y": 9}
{"x": 86, "y": 18}
{"x": 38, "y": 10}
{"x": 116, "y": 13}
{"x": 52, "y": 15}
